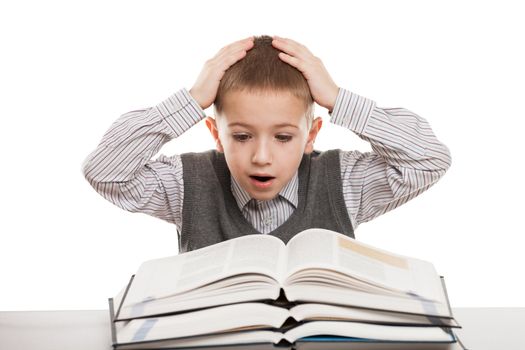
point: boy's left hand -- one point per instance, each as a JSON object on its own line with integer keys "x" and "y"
{"x": 323, "y": 89}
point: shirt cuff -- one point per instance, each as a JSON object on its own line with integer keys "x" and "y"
{"x": 351, "y": 111}
{"x": 180, "y": 111}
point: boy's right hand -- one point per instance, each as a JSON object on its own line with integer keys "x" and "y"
{"x": 205, "y": 88}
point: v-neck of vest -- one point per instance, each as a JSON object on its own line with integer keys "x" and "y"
{"x": 304, "y": 168}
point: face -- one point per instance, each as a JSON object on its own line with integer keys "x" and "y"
{"x": 263, "y": 138}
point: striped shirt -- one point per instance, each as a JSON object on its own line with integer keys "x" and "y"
{"x": 406, "y": 159}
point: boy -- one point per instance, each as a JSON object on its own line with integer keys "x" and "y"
{"x": 265, "y": 176}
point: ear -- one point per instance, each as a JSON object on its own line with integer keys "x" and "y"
{"x": 317, "y": 123}
{"x": 211, "y": 123}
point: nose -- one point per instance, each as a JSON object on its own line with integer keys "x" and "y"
{"x": 262, "y": 154}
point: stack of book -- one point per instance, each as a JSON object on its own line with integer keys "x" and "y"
{"x": 322, "y": 290}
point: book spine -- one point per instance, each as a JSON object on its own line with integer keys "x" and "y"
{"x": 446, "y": 295}
{"x": 124, "y": 297}
{"x": 112, "y": 324}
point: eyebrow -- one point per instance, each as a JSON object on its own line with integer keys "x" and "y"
{"x": 282, "y": 125}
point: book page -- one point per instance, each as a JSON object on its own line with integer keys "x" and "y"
{"x": 313, "y": 247}
{"x": 326, "y": 312}
{"x": 257, "y": 340}
{"x": 319, "y": 248}
{"x": 258, "y": 253}
{"x": 168, "y": 276}
{"x": 369, "y": 331}
{"x": 208, "y": 321}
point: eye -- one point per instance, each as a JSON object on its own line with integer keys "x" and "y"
{"x": 241, "y": 137}
{"x": 283, "y": 138}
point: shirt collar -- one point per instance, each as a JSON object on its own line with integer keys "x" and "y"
{"x": 288, "y": 192}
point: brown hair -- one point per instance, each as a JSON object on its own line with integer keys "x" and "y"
{"x": 262, "y": 71}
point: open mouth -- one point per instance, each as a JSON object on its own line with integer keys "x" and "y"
{"x": 262, "y": 178}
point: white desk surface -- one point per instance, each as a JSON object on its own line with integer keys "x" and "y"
{"x": 483, "y": 329}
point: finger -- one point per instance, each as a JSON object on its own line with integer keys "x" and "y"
{"x": 244, "y": 44}
{"x": 299, "y": 47}
{"x": 292, "y": 48}
{"x": 290, "y": 41}
{"x": 234, "y": 57}
{"x": 240, "y": 43}
{"x": 293, "y": 61}
{"x": 235, "y": 51}
{"x": 232, "y": 51}
{"x": 224, "y": 62}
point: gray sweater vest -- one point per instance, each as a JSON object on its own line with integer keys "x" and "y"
{"x": 210, "y": 213}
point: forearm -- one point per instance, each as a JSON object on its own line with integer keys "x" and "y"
{"x": 406, "y": 160}
{"x": 120, "y": 169}
{"x": 398, "y": 135}
{"x": 135, "y": 137}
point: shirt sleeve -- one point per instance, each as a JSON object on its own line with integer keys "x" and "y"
{"x": 406, "y": 157}
{"x": 121, "y": 168}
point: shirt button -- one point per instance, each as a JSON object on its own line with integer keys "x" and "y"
{"x": 268, "y": 221}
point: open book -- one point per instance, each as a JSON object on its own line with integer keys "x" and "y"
{"x": 316, "y": 266}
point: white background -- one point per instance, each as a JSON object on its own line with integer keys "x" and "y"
{"x": 69, "y": 69}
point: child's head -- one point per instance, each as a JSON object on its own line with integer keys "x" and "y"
{"x": 264, "y": 120}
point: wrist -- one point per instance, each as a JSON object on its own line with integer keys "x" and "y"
{"x": 332, "y": 100}
{"x": 197, "y": 98}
